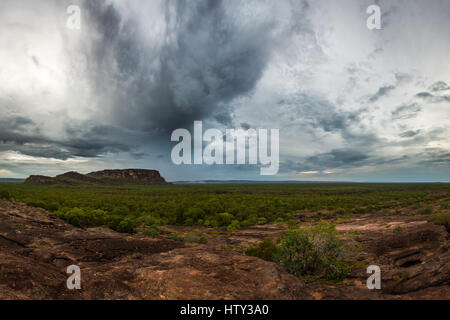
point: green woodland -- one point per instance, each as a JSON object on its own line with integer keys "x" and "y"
{"x": 124, "y": 208}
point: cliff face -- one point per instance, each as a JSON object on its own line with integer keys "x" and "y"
{"x": 72, "y": 175}
{"x": 40, "y": 180}
{"x": 138, "y": 176}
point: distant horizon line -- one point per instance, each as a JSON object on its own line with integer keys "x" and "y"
{"x": 302, "y": 181}
{"x": 216, "y": 181}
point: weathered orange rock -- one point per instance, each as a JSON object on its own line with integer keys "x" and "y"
{"x": 142, "y": 175}
{"x": 106, "y": 176}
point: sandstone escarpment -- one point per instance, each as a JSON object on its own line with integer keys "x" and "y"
{"x": 72, "y": 175}
{"x": 37, "y": 179}
{"x": 124, "y": 176}
{"x": 142, "y": 175}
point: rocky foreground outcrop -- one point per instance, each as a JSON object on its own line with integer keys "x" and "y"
{"x": 36, "y": 248}
{"x": 120, "y": 176}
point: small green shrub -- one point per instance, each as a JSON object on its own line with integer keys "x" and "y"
{"x": 47, "y": 205}
{"x": 121, "y": 210}
{"x": 442, "y": 219}
{"x": 152, "y": 231}
{"x": 426, "y": 210}
{"x": 195, "y": 237}
{"x": 251, "y": 220}
{"x": 175, "y": 237}
{"x": 203, "y": 240}
{"x": 126, "y": 226}
{"x": 398, "y": 229}
{"x": 224, "y": 219}
{"x": 35, "y": 203}
{"x": 50, "y": 206}
{"x": 262, "y": 220}
{"x": 265, "y": 250}
{"x": 337, "y": 270}
{"x": 233, "y": 226}
{"x": 98, "y": 218}
{"x": 75, "y": 216}
{"x": 192, "y": 215}
{"x": 151, "y": 220}
{"x": 113, "y": 221}
{"x": 5, "y": 195}
{"x": 316, "y": 251}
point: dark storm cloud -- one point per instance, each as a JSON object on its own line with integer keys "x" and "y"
{"x": 381, "y": 93}
{"x": 407, "y": 111}
{"x": 403, "y": 77}
{"x": 46, "y": 148}
{"x": 18, "y": 129}
{"x": 21, "y": 134}
{"x": 409, "y": 133}
{"x": 433, "y": 98}
{"x": 347, "y": 159}
{"x": 320, "y": 114}
{"x": 335, "y": 159}
{"x": 245, "y": 126}
{"x": 413, "y": 138}
{"x": 435, "y": 157}
{"x": 365, "y": 155}
{"x": 91, "y": 140}
{"x": 439, "y": 86}
{"x": 400, "y": 77}
{"x": 207, "y": 59}
{"x": 15, "y": 122}
{"x": 339, "y": 158}
{"x": 424, "y": 95}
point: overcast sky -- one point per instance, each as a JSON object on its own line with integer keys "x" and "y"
{"x": 351, "y": 103}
